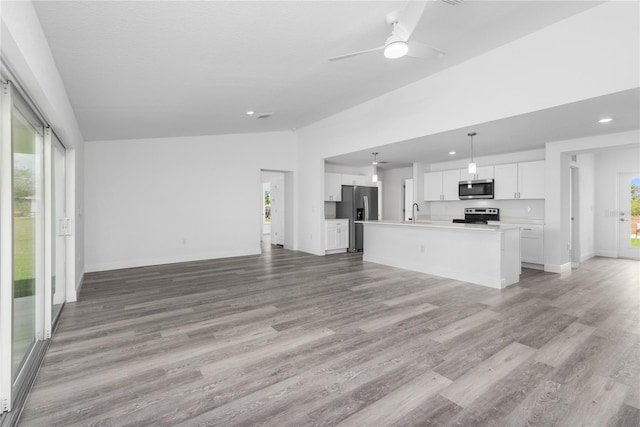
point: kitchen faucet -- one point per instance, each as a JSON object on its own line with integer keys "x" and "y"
{"x": 414, "y": 208}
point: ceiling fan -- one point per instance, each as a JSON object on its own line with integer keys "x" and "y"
{"x": 398, "y": 44}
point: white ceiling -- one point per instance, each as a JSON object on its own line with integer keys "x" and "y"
{"x": 518, "y": 133}
{"x": 144, "y": 69}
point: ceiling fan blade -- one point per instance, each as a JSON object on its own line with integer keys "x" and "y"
{"x": 349, "y": 55}
{"x": 410, "y": 16}
{"x": 421, "y": 50}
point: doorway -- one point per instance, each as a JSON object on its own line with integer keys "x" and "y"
{"x": 629, "y": 215}
{"x": 276, "y": 218}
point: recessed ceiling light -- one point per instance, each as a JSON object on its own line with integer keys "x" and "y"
{"x": 250, "y": 113}
{"x": 451, "y": 153}
{"x": 605, "y": 120}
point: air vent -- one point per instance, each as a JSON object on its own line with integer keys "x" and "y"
{"x": 453, "y": 2}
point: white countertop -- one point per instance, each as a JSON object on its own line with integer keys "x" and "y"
{"x": 442, "y": 224}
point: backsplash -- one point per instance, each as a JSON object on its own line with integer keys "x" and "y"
{"x": 329, "y": 210}
{"x": 513, "y": 209}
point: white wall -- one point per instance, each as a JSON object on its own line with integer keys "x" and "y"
{"x": 607, "y": 167}
{"x": 25, "y": 49}
{"x": 588, "y": 55}
{"x": 178, "y": 199}
{"x": 586, "y": 184}
{"x": 392, "y": 189}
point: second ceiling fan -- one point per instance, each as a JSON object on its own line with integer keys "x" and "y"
{"x": 399, "y": 44}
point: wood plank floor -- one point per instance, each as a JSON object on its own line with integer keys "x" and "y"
{"x": 291, "y": 339}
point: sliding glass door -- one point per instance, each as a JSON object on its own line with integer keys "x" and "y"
{"x": 27, "y": 152}
{"x": 33, "y": 231}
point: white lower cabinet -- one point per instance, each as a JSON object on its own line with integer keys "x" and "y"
{"x": 532, "y": 244}
{"x": 336, "y": 235}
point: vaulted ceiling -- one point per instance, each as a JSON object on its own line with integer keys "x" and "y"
{"x": 143, "y": 69}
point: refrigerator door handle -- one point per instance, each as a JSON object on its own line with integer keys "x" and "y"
{"x": 366, "y": 208}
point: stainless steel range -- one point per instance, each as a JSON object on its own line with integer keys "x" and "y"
{"x": 479, "y": 216}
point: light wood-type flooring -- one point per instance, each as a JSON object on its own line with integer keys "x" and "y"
{"x": 291, "y": 339}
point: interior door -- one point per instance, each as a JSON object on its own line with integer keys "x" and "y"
{"x": 629, "y": 215}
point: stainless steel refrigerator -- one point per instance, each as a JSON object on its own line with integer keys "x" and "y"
{"x": 358, "y": 203}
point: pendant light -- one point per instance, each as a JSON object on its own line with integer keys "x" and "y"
{"x": 472, "y": 165}
{"x": 374, "y": 175}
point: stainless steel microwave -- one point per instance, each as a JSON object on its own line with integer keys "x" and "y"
{"x": 480, "y": 189}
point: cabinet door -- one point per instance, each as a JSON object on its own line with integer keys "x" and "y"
{"x": 342, "y": 236}
{"x": 506, "y": 181}
{"x": 531, "y": 245}
{"x": 332, "y": 187}
{"x": 531, "y": 180}
{"x": 432, "y": 186}
{"x": 331, "y": 234}
{"x": 450, "y": 180}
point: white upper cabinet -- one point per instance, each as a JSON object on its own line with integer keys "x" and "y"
{"x": 332, "y": 187}
{"x": 531, "y": 180}
{"x": 519, "y": 180}
{"x": 505, "y": 185}
{"x": 484, "y": 172}
{"x": 450, "y": 180}
{"x": 441, "y": 185}
{"x": 432, "y": 186}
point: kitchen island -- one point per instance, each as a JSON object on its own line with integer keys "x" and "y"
{"x": 486, "y": 255}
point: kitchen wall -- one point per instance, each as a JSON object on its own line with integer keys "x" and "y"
{"x": 168, "y": 200}
{"x": 510, "y": 210}
{"x": 26, "y": 50}
{"x": 607, "y": 167}
{"x": 561, "y": 71}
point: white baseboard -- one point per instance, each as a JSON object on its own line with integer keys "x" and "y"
{"x": 118, "y": 265}
{"x": 608, "y": 254}
{"x": 584, "y": 257}
{"x": 557, "y": 268}
{"x": 533, "y": 266}
{"x": 311, "y": 251}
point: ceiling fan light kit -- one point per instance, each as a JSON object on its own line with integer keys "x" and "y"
{"x": 396, "y": 49}
{"x": 399, "y": 43}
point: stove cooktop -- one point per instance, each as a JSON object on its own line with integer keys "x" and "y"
{"x": 479, "y": 216}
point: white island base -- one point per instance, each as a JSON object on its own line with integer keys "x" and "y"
{"x": 486, "y": 255}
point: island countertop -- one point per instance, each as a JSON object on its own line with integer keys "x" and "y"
{"x": 443, "y": 224}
